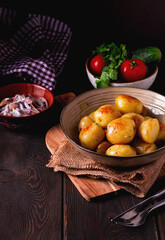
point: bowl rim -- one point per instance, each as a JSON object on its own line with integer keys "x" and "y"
{"x": 100, "y": 154}
{"x": 38, "y": 86}
{"x": 121, "y": 83}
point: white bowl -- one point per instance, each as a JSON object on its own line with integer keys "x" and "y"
{"x": 143, "y": 84}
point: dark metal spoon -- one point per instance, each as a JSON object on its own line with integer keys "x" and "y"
{"x": 136, "y": 215}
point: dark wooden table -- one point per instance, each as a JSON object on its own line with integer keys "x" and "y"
{"x": 35, "y": 202}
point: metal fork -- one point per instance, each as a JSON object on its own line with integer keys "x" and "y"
{"x": 136, "y": 215}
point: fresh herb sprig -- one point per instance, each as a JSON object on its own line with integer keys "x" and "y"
{"x": 114, "y": 55}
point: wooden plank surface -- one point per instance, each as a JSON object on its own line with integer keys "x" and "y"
{"x": 30, "y": 194}
{"x": 86, "y": 220}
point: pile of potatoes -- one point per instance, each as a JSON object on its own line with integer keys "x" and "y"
{"x": 123, "y": 129}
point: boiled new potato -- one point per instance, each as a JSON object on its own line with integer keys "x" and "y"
{"x": 138, "y": 119}
{"x": 103, "y": 146}
{"x": 146, "y": 117}
{"x": 161, "y": 135}
{"x": 105, "y": 114}
{"x": 91, "y": 135}
{"x": 85, "y": 121}
{"x": 144, "y": 147}
{"x": 121, "y": 130}
{"x": 122, "y": 150}
{"x": 126, "y": 104}
{"x": 91, "y": 115}
{"x": 149, "y": 130}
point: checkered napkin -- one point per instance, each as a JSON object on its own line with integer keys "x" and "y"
{"x": 34, "y": 47}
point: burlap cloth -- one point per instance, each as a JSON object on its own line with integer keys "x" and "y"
{"x": 137, "y": 181}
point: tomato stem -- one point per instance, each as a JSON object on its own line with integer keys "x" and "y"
{"x": 133, "y": 64}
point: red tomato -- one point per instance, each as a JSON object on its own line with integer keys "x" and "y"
{"x": 97, "y": 63}
{"x": 133, "y": 69}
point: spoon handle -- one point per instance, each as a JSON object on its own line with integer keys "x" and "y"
{"x": 157, "y": 205}
{"x": 159, "y": 194}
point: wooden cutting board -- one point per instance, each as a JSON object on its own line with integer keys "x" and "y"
{"x": 88, "y": 188}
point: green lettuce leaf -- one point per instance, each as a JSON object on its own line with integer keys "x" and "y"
{"x": 114, "y": 55}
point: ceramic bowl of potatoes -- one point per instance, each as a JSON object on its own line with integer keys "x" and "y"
{"x": 118, "y": 127}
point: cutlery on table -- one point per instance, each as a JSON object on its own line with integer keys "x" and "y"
{"x": 136, "y": 215}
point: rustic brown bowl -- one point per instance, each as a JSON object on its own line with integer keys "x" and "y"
{"x": 89, "y": 101}
{"x": 145, "y": 83}
{"x": 25, "y": 88}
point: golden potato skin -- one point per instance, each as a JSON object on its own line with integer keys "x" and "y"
{"x": 138, "y": 119}
{"x": 146, "y": 117}
{"x": 91, "y": 135}
{"x": 149, "y": 130}
{"x": 122, "y": 150}
{"x": 85, "y": 121}
{"x": 105, "y": 114}
{"x": 91, "y": 115}
{"x": 103, "y": 146}
{"x": 126, "y": 104}
{"x": 161, "y": 135}
{"x": 121, "y": 130}
{"x": 143, "y": 147}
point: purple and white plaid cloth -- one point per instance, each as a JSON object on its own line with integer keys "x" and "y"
{"x": 36, "y": 51}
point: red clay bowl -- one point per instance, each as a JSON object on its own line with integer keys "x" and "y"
{"x": 25, "y": 88}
